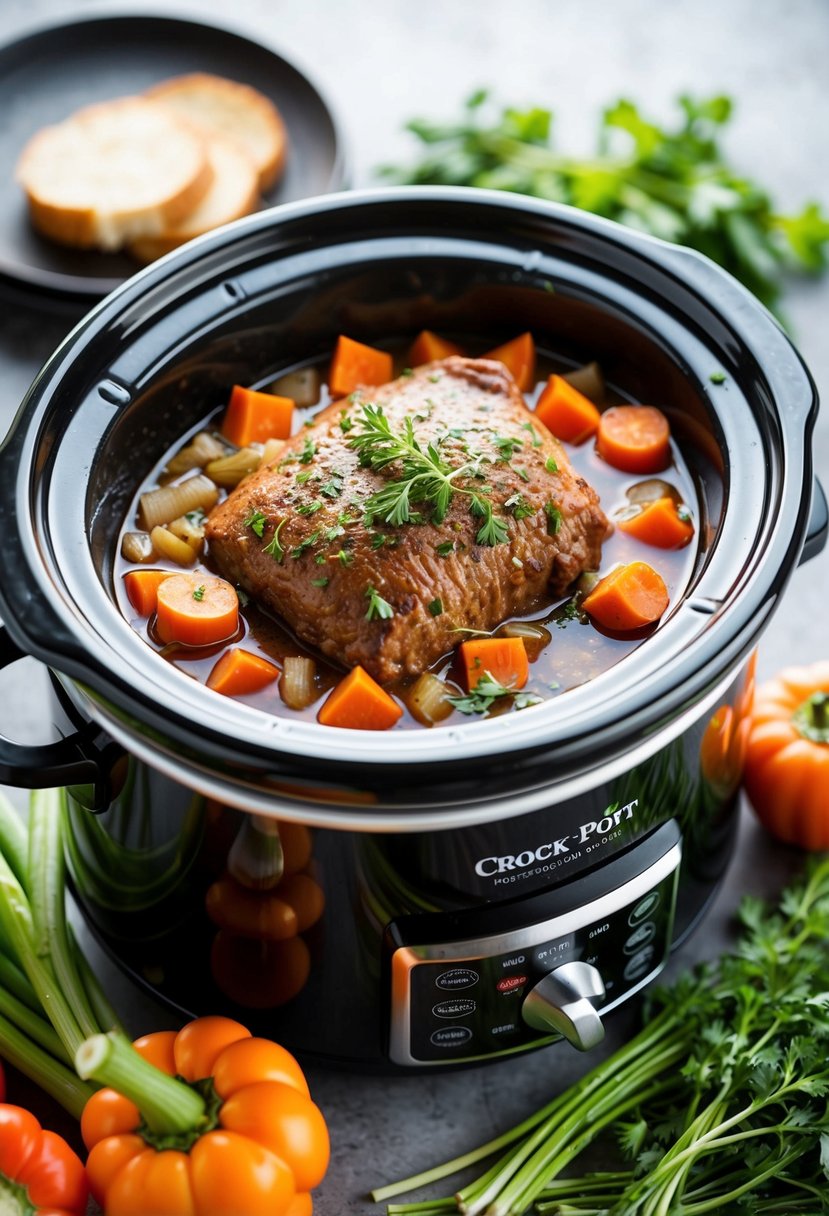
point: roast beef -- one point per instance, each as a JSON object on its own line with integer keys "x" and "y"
{"x": 335, "y": 564}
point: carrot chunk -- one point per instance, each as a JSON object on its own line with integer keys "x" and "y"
{"x": 196, "y": 609}
{"x": 238, "y": 673}
{"x": 428, "y": 346}
{"x": 659, "y": 524}
{"x": 142, "y": 588}
{"x": 518, "y": 356}
{"x": 360, "y": 703}
{"x": 635, "y": 438}
{"x": 355, "y": 364}
{"x": 627, "y": 598}
{"x": 505, "y": 659}
{"x": 566, "y": 412}
{"x": 253, "y": 417}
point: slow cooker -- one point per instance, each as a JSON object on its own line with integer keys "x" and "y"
{"x": 487, "y": 886}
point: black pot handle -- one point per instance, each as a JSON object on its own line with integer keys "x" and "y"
{"x": 69, "y": 761}
{"x": 818, "y": 526}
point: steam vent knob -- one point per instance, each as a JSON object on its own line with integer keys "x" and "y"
{"x": 562, "y": 1003}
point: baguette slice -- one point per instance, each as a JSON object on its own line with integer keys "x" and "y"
{"x": 232, "y": 110}
{"x": 113, "y": 172}
{"x": 234, "y": 192}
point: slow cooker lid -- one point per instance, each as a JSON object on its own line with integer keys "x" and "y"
{"x": 51, "y": 590}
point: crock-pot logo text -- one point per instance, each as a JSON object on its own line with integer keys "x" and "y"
{"x": 552, "y": 853}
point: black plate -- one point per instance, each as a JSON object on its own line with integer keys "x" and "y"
{"x": 47, "y": 74}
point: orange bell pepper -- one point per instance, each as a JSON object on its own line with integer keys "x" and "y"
{"x": 787, "y": 756}
{"x": 204, "y": 1122}
{"x": 39, "y": 1172}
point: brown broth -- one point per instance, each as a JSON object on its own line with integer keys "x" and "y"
{"x": 579, "y": 650}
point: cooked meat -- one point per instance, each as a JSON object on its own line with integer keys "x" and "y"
{"x": 334, "y": 548}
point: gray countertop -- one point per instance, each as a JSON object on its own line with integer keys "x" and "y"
{"x": 380, "y": 63}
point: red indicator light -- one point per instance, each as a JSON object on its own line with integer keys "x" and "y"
{"x": 511, "y": 982}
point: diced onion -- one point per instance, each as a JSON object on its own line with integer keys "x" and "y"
{"x": 534, "y": 636}
{"x": 169, "y": 502}
{"x": 137, "y": 547}
{"x": 202, "y": 448}
{"x": 588, "y": 380}
{"x": 302, "y": 386}
{"x": 428, "y": 699}
{"x": 186, "y": 530}
{"x": 297, "y": 686}
{"x": 651, "y": 489}
{"x": 228, "y": 471}
{"x": 272, "y": 450}
{"x": 172, "y": 547}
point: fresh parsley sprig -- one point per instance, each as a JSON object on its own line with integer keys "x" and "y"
{"x": 425, "y": 476}
{"x": 486, "y": 692}
{"x": 377, "y": 606}
{"x": 672, "y": 181}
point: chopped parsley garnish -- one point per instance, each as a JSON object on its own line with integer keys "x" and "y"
{"x": 378, "y": 540}
{"x": 407, "y": 371}
{"x": 443, "y": 550}
{"x": 683, "y": 513}
{"x": 522, "y": 473}
{"x": 196, "y": 518}
{"x": 320, "y": 582}
{"x": 377, "y": 606}
{"x": 426, "y": 477}
{"x": 528, "y": 426}
{"x": 305, "y": 544}
{"x": 333, "y": 533}
{"x": 553, "y": 519}
{"x": 345, "y": 422}
{"x": 519, "y": 507}
{"x": 486, "y": 692}
{"x": 308, "y": 452}
{"x": 344, "y": 558}
{"x": 256, "y": 521}
{"x": 310, "y": 508}
{"x": 550, "y": 465}
{"x": 507, "y": 445}
{"x": 718, "y": 377}
{"x": 333, "y": 488}
{"x": 436, "y": 607}
{"x": 303, "y": 477}
{"x": 198, "y": 594}
{"x": 320, "y": 559}
{"x": 273, "y": 547}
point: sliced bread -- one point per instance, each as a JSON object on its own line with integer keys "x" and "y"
{"x": 113, "y": 172}
{"x": 234, "y": 192}
{"x": 232, "y": 110}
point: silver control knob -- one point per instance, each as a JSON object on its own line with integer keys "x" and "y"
{"x": 562, "y": 1002}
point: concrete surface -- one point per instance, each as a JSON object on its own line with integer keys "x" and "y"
{"x": 379, "y": 64}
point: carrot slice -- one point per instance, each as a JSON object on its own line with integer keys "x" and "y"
{"x": 238, "y": 673}
{"x": 253, "y": 417}
{"x": 627, "y": 598}
{"x": 428, "y": 346}
{"x": 566, "y": 412}
{"x": 505, "y": 659}
{"x": 354, "y": 364}
{"x": 142, "y": 588}
{"x": 518, "y": 356}
{"x": 635, "y": 438}
{"x": 660, "y": 524}
{"x": 196, "y": 609}
{"x": 360, "y": 703}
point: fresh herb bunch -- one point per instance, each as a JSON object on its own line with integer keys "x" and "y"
{"x": 674, "y": 183}
{"x": 720, "y": 1102}
{"x": 425, "y": 476}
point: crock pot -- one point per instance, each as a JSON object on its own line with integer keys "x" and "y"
{"x": 487, "y": 886}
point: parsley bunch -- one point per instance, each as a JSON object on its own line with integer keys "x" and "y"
{"x": 721, "y": 1102}
{"x": 673, "y": 182}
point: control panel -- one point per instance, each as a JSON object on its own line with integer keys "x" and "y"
{"x": 474, "y": 984}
